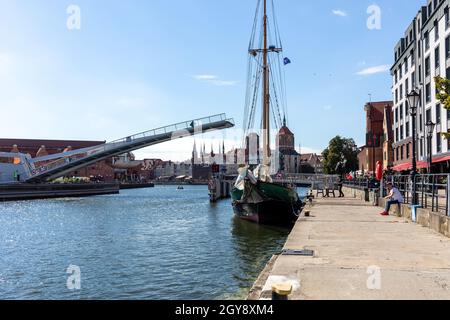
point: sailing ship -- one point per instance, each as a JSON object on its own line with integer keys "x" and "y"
{"x": 255, "y": 197}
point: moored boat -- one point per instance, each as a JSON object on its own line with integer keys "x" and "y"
{"x": 255, "y": 197}
{"x": 265, "y": 202}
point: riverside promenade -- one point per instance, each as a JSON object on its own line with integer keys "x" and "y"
{"x": 358, "y": 254}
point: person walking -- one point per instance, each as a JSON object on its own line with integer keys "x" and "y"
{"x": 340, "y": 186}
{"x": 394, "y": 198}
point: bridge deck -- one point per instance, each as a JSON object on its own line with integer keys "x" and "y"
{"x": 75, "y": 161}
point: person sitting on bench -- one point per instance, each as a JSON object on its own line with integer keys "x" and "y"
{"x": 394, "y": 198}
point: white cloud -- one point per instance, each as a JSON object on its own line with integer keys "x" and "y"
{"x": 327, "y": 108}
{"x": 374, "y": 70}
{"x": 215, "y": 80}
{"x": 340, "y": 13}
{"x": 205, "y": 77}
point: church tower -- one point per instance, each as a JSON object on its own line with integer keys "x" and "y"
{"x": 285, "y": 138}
{"x": 194, "y": 154}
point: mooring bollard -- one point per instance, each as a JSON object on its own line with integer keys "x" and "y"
{"x": 281, "y": 291}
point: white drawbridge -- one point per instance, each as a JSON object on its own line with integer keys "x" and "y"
{"x": 42, "y": 169}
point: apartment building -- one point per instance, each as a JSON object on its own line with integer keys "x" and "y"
{"x": 422, "y": 54}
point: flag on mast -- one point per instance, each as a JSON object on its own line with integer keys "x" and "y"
{"x": 287, "y": 61}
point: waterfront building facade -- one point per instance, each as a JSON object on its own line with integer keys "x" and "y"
{"x": 124, "y": 168}
{"x": 422, "y": 54}
{"x": 312, "y": 161}
{"x": 388, "y": 138}
{"x": 38, "y": 148}
{"x": 378, "y": 134}
{"x": 289, "y": 158}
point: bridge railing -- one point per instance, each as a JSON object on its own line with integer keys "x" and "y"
{"x": 317, "y": 181}
{"x": 432, "y": 190}
{"x": 89, "y": 152}
{"x": 192, "y": 124}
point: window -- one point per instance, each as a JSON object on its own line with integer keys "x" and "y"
{"x": 437, "y": 58}
{"x": 406, "y": 65}
{"x": 402, "y": 152}
{"x": 400, "y": 72}
{"x": 427, "y": 67}
{"x": 421, "y": 123}
{"x": 396, "y": 135}
{"x": 401, "y": 111}
{"x": 407, "y": 130}
{"x": 427, "y": 41}
{"x": 413, "y": 79}
{"x": 438, "y": 114}
{"x": 396, "y": 95}
{"x": 447, "y": 18}
{"x": 407, "y": 86}
{"x": 419, "y": 50}
{"x": 397, "y": 154}
{"x": 447, "y": 47}
{"x": 396, "y": 76}
{"x": 428, "y": 92}
{"x": 396, "y": 116}
{"x": 420, "y": 73}
{"x": 401, "y": 92}
{"x": 436, "y": 30}
{"x": 401, "y": 133}
{"x": 408, "y": 151}
{"x": 439, "y": 143}
{"x": 421, "y": 147}
{"x": 428, "y": 117}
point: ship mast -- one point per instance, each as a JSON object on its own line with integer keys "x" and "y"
{"x": 266, "y": 94}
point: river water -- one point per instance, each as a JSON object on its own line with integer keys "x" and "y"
{"x": 157, "y": 243}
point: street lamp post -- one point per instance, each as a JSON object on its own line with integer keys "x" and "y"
{"x": 430, "y": 130}
{"x": 413, "y": 101}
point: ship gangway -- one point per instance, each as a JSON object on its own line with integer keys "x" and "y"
{"x": 42, "y": 169}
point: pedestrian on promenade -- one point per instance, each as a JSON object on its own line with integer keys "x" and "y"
{"x": 394, "y": 198}
{"x": 340, "y": 186}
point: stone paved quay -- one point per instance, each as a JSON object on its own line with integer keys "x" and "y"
{"x": 350, "y": 241}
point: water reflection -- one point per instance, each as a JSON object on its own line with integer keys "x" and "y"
{"x": 253, "y": 245}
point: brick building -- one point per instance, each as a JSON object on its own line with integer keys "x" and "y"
{"x": 378, "y": 137}
{"x": 123, "y": 168}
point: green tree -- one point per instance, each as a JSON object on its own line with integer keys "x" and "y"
{"x": 443, "y": 95}
{"x": 341, "y": 156}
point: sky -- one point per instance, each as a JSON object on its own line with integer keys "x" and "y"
{"x": 125, "y": 67}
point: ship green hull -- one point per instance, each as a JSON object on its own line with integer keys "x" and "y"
{"x": 267, "y": 203}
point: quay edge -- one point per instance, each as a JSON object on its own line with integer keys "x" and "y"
{"x": 22, "y": 191}
{"x": 357, "y": 239}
